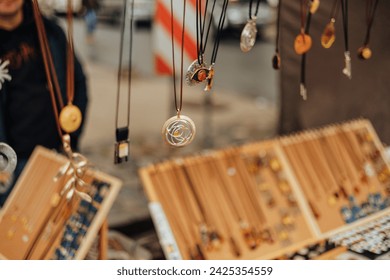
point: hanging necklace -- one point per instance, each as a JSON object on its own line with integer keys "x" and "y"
{"x": 249, "y": 33}
{"x": 199, "y": 71}
{"x": 347, "y": 71}
{"x": 77, "y": 163}
{"x": 329, "y": 34}
{"x": 178, "y": 131}
{"x": 52, "y": 81}
{"x": 364, "y": 52}
{"x": 122, "y": 144}
{"x": 303, "y": 42}
{"x": 276, "y": 59}
{"x": 70, "y": 116}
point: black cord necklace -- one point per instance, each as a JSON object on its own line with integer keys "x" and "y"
{"x": 347, "y": 71}
{"x": 276, "y": 60}
{"x": 199, "y": 71}
{"x": 122, "y": 144}
{"x": 303, "y": 41}
{"x": 180, "y": 130}
{"x": 364, "y": 52}
{"x": 249, "y": 33}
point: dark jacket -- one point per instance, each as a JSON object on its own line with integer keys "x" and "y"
{"x": 91, "y": 4}
{"x": 58, "y": 44}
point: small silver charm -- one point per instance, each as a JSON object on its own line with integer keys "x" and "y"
{"x": 303, "y": 91}
{"x": 347, "y": 71}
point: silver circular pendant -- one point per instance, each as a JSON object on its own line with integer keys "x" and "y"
{"x": 248, "y": 36}
{"x": 195, "y": 66}
{"x": 178, "y": 131}
{"x": 8, "y": 162}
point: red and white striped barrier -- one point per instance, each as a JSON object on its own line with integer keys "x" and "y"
{"x": 162, "y": 35}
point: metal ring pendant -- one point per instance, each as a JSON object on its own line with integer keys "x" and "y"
{"x": 8, "y": 161}
{"x": 179, "y": 131}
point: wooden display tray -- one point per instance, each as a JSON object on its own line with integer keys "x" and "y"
{"x": 28, "y": 229}
{"x": 262, "y": 179}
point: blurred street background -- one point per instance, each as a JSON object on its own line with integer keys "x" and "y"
{"x": 243, "y": 107}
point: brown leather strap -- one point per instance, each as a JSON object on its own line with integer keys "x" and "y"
{"x": 51, "y": 75}
{"x": 70, "y": 56}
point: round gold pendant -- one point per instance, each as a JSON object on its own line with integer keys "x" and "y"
{"x": 314, "y": 5}
{"x": 70, "y": 118}
{"x": 276, "y": 61}
{"x": 328, "y": 36}
{"x": 248, "y": 36}
{"x": 364, "y": 53}
{"x": 179, "y": 131}
{"x": 302, "y": 43}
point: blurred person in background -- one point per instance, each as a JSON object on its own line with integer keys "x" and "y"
{"x": 26, "y": 113}
{"x": 90, "y": 8}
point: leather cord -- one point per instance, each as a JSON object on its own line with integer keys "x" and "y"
{"x": 51, "y": 76}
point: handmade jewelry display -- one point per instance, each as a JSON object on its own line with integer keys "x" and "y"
{"x": 180, "y": 130}
{"x": 55, "y": 209}
{"x": 199, "y": 71}
{"x": 249, "y": 32}
{"x": 364, "y": 52}
{"x": 341, "y": 171}
{"x": 371, "y": 240}
{"x": 263, "y": 199}
{"x": 122, "y": 144}
{"x": 233, "y": 203}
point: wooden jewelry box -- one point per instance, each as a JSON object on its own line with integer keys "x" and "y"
{"x": 44, "y": 218}
{"x": 261, "y": 200}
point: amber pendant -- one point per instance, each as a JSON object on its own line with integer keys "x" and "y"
{"x": 70, "y": 118}
{"x": 178, "y": 131}
{"x": 192, "y": 69}
{"x": 200, "y": 75}
{"x": 314, "y": 5}
{"x": 328, "y": 35}
{"x": 248, "y": 35}
{"x": 364, "y": 53}
{"x": 276, "y": 61}
{"x": 302, "y": 43}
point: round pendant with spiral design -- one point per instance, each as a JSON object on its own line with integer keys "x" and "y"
{"x": 178, "y": 131}
{"x": 248, "y": 36}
